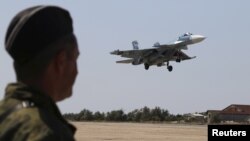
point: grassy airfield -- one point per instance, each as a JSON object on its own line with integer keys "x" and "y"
{"x": 105, "y": 131}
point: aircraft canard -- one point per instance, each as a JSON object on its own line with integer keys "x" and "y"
{"x": 159, "y": 55}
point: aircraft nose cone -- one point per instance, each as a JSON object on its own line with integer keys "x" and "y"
{"x": 198, "y": 38}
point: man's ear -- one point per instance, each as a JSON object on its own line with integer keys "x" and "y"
{"x": 59, "y": 61}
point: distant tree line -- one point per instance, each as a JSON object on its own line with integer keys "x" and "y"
{"x": 144, "y": 114}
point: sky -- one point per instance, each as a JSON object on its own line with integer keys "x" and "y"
{"x": 217, "y": 77}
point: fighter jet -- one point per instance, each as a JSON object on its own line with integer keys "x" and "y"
{"x": 160, "y": 55}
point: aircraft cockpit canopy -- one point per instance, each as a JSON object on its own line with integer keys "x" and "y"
{"x": 187, "y": 34}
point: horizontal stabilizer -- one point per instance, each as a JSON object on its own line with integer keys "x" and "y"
{"x": 116, "y": 52}
{"x": 125, "y": 61}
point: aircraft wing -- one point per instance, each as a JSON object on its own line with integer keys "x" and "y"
{"x": 141, "y": 53}
{"x": 125, "y": 61}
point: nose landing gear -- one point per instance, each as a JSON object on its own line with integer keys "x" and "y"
{"x": 146, "y": 66}
{"x": 169, "y": 67}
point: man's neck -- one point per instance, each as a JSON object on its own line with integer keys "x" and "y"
{"x": 44, "y": 86}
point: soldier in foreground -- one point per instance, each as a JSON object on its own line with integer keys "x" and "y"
{"x": 44, "y": 50}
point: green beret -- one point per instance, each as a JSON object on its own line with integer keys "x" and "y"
{"x": 32, "y": 31}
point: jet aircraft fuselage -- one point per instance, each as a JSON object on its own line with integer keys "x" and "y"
{"x": 160, "y": 54}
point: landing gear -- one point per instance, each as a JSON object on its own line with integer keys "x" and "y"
{"x": 146, "y": 66}
{"x": 169, "y": 67}
{"x": 178, "y": 60}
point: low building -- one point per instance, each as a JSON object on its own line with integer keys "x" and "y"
{"x": 232, "y": 114}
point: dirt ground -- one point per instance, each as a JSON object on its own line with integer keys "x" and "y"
{"x": 103, "y": 131}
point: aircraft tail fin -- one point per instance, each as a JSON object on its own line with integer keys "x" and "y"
{"x": 135, "y": 45}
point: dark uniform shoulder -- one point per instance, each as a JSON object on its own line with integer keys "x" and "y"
{"x": 30, "y": 123}
{"x": 26, "y": 114}
{"x": 20, "y": 123}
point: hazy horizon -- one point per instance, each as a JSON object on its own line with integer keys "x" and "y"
{"x": 217, "y": 77}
